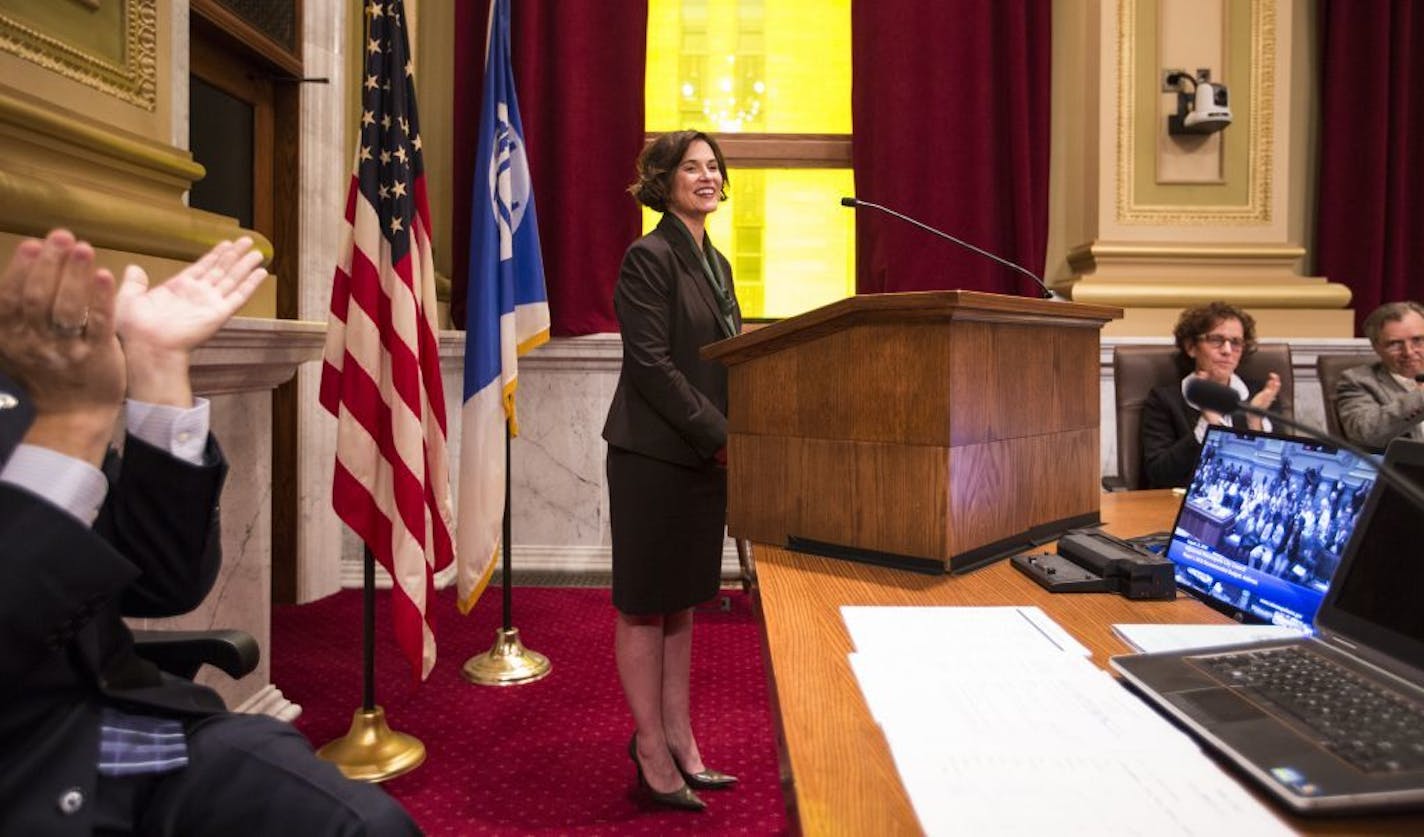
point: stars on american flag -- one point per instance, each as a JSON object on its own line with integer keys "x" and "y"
{"x": 389, "y": 159}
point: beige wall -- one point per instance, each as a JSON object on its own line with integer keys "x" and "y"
{"x": 1152, "y": 222}
{"x": 92, "y": 137}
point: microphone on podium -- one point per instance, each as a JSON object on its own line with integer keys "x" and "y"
{"x": 1220, "y": 398}
{"x": 1048, "y": 293}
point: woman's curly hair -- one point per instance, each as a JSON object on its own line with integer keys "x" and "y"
{"x": 658, "y": 163}
{"x": 1197, "y": 321}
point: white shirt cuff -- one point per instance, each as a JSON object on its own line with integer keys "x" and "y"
{"x": 72, "y": 484}
{"x": 182, "y": 432}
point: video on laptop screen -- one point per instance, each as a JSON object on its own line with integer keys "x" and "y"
{"x": 1264, "y": 523}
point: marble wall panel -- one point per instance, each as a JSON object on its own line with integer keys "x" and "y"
{"x": 560, "y": 495}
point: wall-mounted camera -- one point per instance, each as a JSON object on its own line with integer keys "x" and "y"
{"x": 1205, "y": 108}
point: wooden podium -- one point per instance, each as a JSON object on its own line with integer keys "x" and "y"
{"x": 935, "y": 430}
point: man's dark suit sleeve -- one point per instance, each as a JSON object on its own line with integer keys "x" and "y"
{"x": 1169, "y": 450}
{"x": 57, "y": 574}
{"x": 162, "y": 515}
{"x": 642, "y": 299}
{"x": 155, "y": 549}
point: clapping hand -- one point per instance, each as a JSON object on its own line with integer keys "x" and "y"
{"x": 1264, "y": 399}
{"x": 160, "y": 326}
{"x": 1267, "y": 396}
{"x": 57, "y": 340}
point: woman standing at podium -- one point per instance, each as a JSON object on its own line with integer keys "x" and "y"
{"x": 1212, "y": 340}
{"x": 667, "y": 436}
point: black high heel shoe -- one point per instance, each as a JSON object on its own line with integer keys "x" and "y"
{"x": 683, "y": 798}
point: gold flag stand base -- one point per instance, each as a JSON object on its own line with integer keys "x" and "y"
{"x": 508, "y": 663}
{"x": 371, "y": 751}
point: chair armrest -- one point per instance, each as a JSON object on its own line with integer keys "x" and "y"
{"x": 182, "y": 653}
{"x": 1114, "y": 483}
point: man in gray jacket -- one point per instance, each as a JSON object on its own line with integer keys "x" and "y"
{"x": 1385, "y": 399}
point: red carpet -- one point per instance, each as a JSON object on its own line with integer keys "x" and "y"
{"x": 548, "y": 757}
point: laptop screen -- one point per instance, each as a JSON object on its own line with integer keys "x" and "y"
{"x": 1376, "y": 595}
{"x": 1264, "y": 523}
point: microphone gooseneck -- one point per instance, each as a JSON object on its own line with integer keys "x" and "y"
{"x": 1048, "y": 293}
{"x": 1220, "y": 398}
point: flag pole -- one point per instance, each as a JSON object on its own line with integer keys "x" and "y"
{"x": 371, "y": 751}
{"x": 508, "y": 662}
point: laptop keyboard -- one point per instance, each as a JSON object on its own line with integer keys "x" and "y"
{"x": 1376, "y": 730}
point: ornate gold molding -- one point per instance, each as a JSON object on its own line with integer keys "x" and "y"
{"x": 1260, "y": 130}
{"x": 134, "y": 81}
{"x": 1088, "y": 258}
{"x": 116, "y": 189}
{"x": 1311, "y": 294}
{"x": 27, "y": 116}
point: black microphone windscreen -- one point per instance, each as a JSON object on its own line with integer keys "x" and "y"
{"x": 1419, "y": 378}
{"x": 1209, "y": 395}
{"x": 847, "y": 201}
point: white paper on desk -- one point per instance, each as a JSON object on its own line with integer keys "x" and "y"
{"x": 1152, "y": 638}
{"x": 986, "y": 793}
{"x": 1058, "y": 704}
{"x": 957, "y": 631}
{"x": 999, "y": 723}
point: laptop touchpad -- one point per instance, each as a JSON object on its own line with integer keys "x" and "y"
{"x": 1221, "y": 706}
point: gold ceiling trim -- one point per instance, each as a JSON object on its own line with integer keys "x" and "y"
{"x": 56, "y": 128}
{"x": 1260, "y": 130}
{"x": 134, "y": 81}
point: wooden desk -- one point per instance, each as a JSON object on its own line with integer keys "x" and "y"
{"x": 838, "y": 774}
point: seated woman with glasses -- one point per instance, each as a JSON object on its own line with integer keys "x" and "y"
{"x": 1381, "y": 400}
{"x": 1212, "y": 340}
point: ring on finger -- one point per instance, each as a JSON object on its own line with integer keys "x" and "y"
{"x": 71, "y": 329}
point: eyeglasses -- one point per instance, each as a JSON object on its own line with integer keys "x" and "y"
{"x": 1396, "y": 347}
{"x": 1216, "y": 341}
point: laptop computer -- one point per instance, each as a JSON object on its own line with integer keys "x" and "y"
{"x": 1263, "y": 524}
{"x": 1332, "y": 723}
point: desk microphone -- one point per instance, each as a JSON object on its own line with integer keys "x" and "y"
{"x": 1419, "y": 379}
{"x": 1223, "y": 399}
{"x": 1048, "y": 293}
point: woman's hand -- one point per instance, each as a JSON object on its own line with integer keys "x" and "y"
{"x": 1264, "y": 399}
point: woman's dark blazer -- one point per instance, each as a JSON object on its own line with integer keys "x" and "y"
{"x": 1169, "y": 442}
{"x": 669, "y": 404}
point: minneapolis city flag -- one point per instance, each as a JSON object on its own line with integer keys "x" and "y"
{"x": 507, "y": 311}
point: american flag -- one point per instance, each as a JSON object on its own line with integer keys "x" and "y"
{"x": 381, "y": 370}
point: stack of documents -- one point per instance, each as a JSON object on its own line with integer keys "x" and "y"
{"x": 999, "y": 723}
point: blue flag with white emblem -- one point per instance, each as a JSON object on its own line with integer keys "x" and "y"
{"x": 507, "y": 311}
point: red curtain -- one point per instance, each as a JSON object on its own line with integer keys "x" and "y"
{"x": 579, "y": 72}
{"x": 1370, "y": 216}
{"x": 950, "y": 104}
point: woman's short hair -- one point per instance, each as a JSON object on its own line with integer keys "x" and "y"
{"x": 659, "y": 161}
{"x": 1390, "y": 312}
{"x": 1201, "y": 319}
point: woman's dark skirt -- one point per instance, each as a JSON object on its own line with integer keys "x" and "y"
{"x": 668, "y": 526}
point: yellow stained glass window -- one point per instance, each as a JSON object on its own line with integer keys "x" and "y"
{"x": 771, "y": 72}
{"x": 790, "y": 242}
